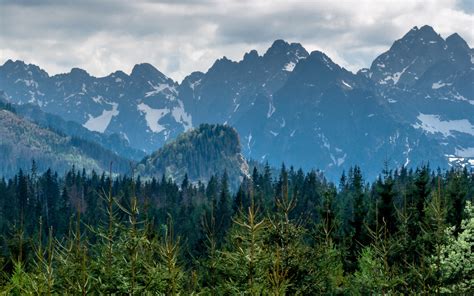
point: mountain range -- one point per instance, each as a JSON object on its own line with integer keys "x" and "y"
{"x": 414, "y": 104}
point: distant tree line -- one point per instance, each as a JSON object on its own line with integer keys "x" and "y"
{"x": 408, "y": 232}
{"x": 7, "y": 106}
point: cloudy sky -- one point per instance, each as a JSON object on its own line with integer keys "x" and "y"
{"x": 181, "y": 36}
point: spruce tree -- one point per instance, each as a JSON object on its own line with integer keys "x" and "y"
{"x": 223, "y": 210}
{"x": 243, "y": 262}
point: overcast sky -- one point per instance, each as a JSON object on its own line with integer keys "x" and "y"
{"x": 181, "y": 36}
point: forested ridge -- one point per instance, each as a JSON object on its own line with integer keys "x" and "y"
{"x": 199, "y": 153}
{"x": 409, "y": 231}
{"x": 21, "y": 140}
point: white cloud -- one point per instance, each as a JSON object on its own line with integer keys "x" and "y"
{"x": 179, "y": 37}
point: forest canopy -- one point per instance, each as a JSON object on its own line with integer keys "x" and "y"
{"x": 409, "y": 231}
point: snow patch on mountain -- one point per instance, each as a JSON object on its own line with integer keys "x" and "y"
{"x": 249, "y": 141}
{"x": 28, "y": 82}
{"x": 439, "y": 84}
{"x": 326, "y": 61}
{"x": 236, "y": 107}
{"x": 271, "y": 109}
{"x": 98, "y": 99}
{"x": 153, "y": 117}
{"x": 325, "y": 141}
{"x": 101, "y": 122}
{"x": 161, "y": 87}
{"x": 180, "y": 115}
{"x": 338, "y": 161}
{"x": 341, "y": 160}
{"x": 192, "y": 85}
{"x": 432, "y": 124}
{"x": 407, "y": 152}
{"x": 462, "y": 162}
{"x": 346, "y": 84}
{"x": 457, "y": 96}
{"x": 395, "y": 77}
{"x": 124, "y": 135}
{"x": 289, "y": 66}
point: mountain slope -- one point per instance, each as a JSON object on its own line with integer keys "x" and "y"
{"x": 329, "y": 118}
{"x": 428, "y": 82}
{"x": 199, "y": 153}
{"x": 112, "y": 142}
{"x": 21, "y": 141}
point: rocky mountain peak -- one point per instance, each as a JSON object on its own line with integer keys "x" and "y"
{"x": 409, "y": 57}
{"x": 283, "y": 48}
{"x": 454, "y": 41}
{"x": 77, "y": 73}
{"x": 251, "y": 56}
{"x": 21, "y": 68}
{"x": 146, "y": 71}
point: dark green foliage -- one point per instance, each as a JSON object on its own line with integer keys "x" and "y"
{"x": 355, "y": 208}
{"x": 223, "y": 210}
{"x": 295, "y": 234}
{"x": 385, "y": 201}
{"x": 457, "y": 188}
{"x": 199, "y": 154}
{"x": 23, "y": 140}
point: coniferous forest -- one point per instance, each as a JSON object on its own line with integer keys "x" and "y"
{"x": 291, "y": 233}
{"x": 207, "y": 147}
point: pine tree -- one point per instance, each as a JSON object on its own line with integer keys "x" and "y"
{"x": 284, "y": 242}
{"x": 456, "y": 192}
{"x": 385, "y": 206}
{"x": 223, "y": 210}
{"x": 209, "y": 276}
{"x": 433, "y": 235}
{"x": 376, "y": 275}
{"x": 357, "y": 236}
{"x": 168, "y": 251}
{"x": 243, "y": 263}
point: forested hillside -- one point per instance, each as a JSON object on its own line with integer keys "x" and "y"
{"x": 112, "y": 142}
{"x": 198, "y": 154}
{"x": 409, "y": 232}
{"x": 21, "y": 141}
